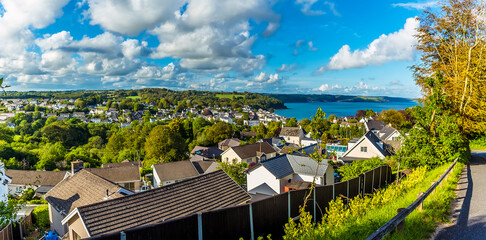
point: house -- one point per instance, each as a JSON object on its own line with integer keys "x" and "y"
{"x": 248, "y": 153}
{"x": 124, "y": 163}
{"x": 287, "y": 172}
{"x": 207, "y": 192}
{"x": 366, "y": 147}
{"x": 40, "y": 181}
{"x": 227, "y": 143}
{"x": 4, "y": 182}
{"x": 173, "y": 172}
{"x": 292, "y": 134}
{"x": 205, "y": 166}
{"x": 78, "y": 189}
{"x": 126, "y": 176}
{"x": 374, "y": 125}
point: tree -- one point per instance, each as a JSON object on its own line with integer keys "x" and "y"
{"x": 164, "y": 145}
{"x": 360, "y": 114}
{"x": 292, "y": 122}
{"x": 453, "y": 43}
{"x": 235, "y": 170}
{"x": 51, "y": 156}
{"x": 219, "y": 132}
{"x": 8, "y": 212}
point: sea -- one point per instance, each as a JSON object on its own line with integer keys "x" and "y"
{"x": 340, "y": 109}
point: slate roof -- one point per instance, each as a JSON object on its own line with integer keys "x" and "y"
{"x": 374, "y": 125}
{"x": 230, "y": 142}
{"x": 385, "y": 132}
{"x": 81, "y": 189}
{"x": 118, "y": 174}
{"x": 205, "y": 166}
{"x": 204, "y": 193}
{"x": 209, "y": 152}
{"x": 284, "y": 165}
{"x": 290, "y": 131}
{"x": 38, "y": 178}
{"x": 247, "y": 151}
{"x": 175, "y": 170}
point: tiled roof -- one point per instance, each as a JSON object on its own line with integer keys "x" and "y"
{"x": 38, "y": 178}
{"x": 125, "y": 163}
{"x": 81, "y": 189}
{"x": 374, "y": 125}
{"x": 118, "y": 174}
{"x": 205, "y": 166}
{"x": 230, "y": 142}
{"x": 204, "y": 193}
{"x": 175, "y": 170}
{"x": 208, "y": 152}
{"x": 385, "y": 132}
{"x": 285, "y": 165}
{"x": 290, "y": 131}
{"x": 247, "y": 151}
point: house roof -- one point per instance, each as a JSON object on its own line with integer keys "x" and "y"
{"x": 125, "y": 163}
{"x": 204, "y": 193}
{"x": 374, "y": 125}
{"x": 284, "y": 165}
{"x": 118, "y": 174}
{"x": 205, "y": 166}
{"x": 38, "y": 178}
{"x": 247, "y": 151}
{"x": 81, "y": 189}
{"x": 206, "y": 151}
{"x": 230, "y": 142}
{"x": 275, "y": 141}
{"x": 290, "y": 131}
{"x": 374, "y": 141}
{"x": 175, "y": 170}
{"x": 385, "y": 132}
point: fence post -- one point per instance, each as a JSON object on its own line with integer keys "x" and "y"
{"x": 123, "y": 236}
{"x": 314, "y": 196}
{"x": 199, "y": 227}
{"x": 432, "y": 184}
{"x": 333, "y": 192}
{"x": 288, "y": 197}
{"x": 364, "y": 184}
{"x": 380, "y": 176}
{"x": 420, "y": 207}
{"x": 251, "y": 223}
{"x": 401, "y": 225}
{"x": 347, "y": 190}
{"x": 373, "y": 181}
{"x": 359, "y": 185}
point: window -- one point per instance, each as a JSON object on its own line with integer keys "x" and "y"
{"x": 364, "y": 149}
{"x": 76, "y": 236}
{"x": 130, "y": 186}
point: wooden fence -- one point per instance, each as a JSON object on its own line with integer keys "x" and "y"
{"x": 7, "y": 233}
{"x": 267, "y": 216}
{"x": 400, "y": 217}
{"x": 15, "y": 231}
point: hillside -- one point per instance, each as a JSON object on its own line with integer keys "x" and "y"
{"x": 294, "y": 98}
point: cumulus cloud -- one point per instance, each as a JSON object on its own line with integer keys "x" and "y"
{"x": 397, "y": 46}
{"x": 306, "y": 7}
{"x": 359, "y": 88}
{"x": 416, "y": 5}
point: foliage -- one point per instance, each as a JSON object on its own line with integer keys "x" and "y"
{"x": 453, "y": 43}
{"x": 356, "y": 168}
{"x": 292, "y": 122}
{"x": 40, "y": 216}
{"x": 235, "y": 170}
{"x": 479, "y": 143}
{"x": 8, "y": 212}
{"x": 361, "y": 216}
{"x": 164, "y": 144}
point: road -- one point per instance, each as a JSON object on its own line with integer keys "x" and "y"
{"x": 468, "y": 219}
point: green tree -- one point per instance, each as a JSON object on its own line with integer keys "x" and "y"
{"x": 292, "y": 122}
{"x": 51, "y": 156}
{"x": 237, "y": 171}
{"x": 164, "y": 145}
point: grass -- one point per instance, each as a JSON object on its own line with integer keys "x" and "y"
{"x": 134, "y": 97}
{"x": 478, "y": 144}
{"x": 229, "y": 96}
{"x": 363, "y": 216}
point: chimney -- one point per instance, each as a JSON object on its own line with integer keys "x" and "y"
{"x": 76, "y": 166}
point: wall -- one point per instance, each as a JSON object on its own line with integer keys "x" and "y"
{"x": 55, "y": 219}
{"x": 229, "y": 155}
{"x": 372, "y": 151}
{"x": 156, "y": 182}
{"x": 76, "y": 225}
{"x": 259, "y": 176}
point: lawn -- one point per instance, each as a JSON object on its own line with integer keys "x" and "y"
{"x": 229, "y": 96}
{"x": 134, "y": 97}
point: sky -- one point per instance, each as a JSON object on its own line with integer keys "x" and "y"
{"x": 351, "y": 47}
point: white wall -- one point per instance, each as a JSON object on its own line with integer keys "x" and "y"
{"x": 55, "y": 219}
{"x": 259, "y": 176}
{"x": 156, "y": 182}
{"x": 229, "y": 155}
{"x": 371, "y": 150}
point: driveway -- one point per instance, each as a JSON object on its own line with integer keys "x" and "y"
{"x": 468, "y": 219}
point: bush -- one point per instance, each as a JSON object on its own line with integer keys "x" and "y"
{"x": 40, "y": 216}
{"x": 354, "y": 169}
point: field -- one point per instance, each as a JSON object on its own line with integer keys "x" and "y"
{"x": 134, "y": 97}
{"x": 229, "y": 96}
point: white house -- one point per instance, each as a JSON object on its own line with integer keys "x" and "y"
{"x": 248, "y": 153}
{"x": 388, "y": 133}
{"x": 292, "y": 134}
{"x": 4, "y": 181}
{"x": 168, "y": 173}
{"x": 287, "y": 172}
{"x": 366, "y": 147}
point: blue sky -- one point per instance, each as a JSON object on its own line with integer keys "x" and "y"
{"x": 290, "y": 46}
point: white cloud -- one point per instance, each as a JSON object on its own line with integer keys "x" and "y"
{"x": 131, "y": 16}
{"x": 359, "y": 88}
{"x": 311, "y": 46}
{"x": 416, "y": 5}
{"x": 332, "y": 7}
{"x": 286, "y": 67}
{"x": 306, "y": 7}
{"x": 326, "y": 87}
{"x": 397, "y": 46}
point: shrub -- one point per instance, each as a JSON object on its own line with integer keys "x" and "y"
{"x": 356, "y": 168}
{"x": 40, "y": 216}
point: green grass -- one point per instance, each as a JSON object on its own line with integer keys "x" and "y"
{"x": 478, "y": 144}
{"x": 134, "y": 97}
{"x": 366, "y": 215}
{"x": 229, "y": 96}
